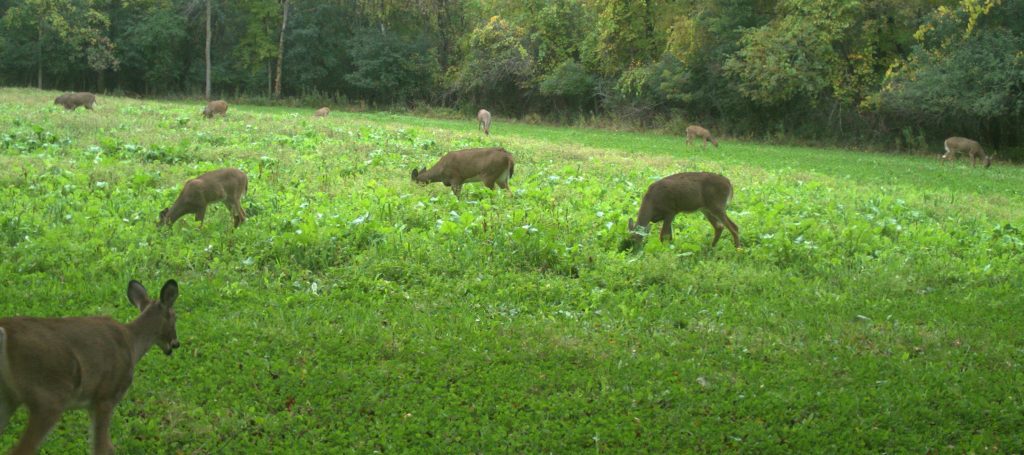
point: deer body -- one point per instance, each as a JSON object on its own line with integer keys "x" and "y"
{"x": 51, "y": 365}
{"x": 227, "y": 185}
{"x": 686, "y": 192}
{"x": 215, "y": 107}
{"x": 484, "y": 118}
{"x": 963, "y": 145}
{"x": 322, "y": 112}
{"x": 693, "y": 131}
{"x": 71, "y": 101}
{"x": 487, "y": 165}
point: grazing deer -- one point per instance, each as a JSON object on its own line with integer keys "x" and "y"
{"x": 54, "y": 364}
{"x": 699, "y": 131}
{"x": 484, "y": 118}
{"x": 322, "y": 112}
{"x": 962, "y": 145}
{"x": 215, "y": 107}
{"x": 686, "y": 192}
{"x": 227, "y": 185}
{"x": 71, "y": 101}
{"x": 490, "y": 166}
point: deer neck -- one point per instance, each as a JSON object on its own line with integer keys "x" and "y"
{"x": 431, "y": 175}
{"x": 646, "y": 214}
{"x": 144, "y": 331}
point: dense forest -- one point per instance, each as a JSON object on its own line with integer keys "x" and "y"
{"x": 895, "y": 74}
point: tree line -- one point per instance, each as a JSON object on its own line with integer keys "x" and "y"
{"x": 896, "y": 74}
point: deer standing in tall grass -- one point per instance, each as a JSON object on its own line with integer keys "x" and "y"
{"x": 963, "y": 145}
{"x": 227, "y": 185}
{"x": 487, "y": 165}
{"x": 54, "y": 364}
{"x": 693, "y": 131}
{"x": 685, "y": 192}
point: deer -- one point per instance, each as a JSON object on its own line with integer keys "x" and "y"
{"x": 322, "y": 112}
{"x": 699, "y": 131}
{"x": 71, "y": 101}
{"x": 54, "y": 364}
{"x": 684, "y": 192}
{"x": 484, "y": 118}
{"x": 226, "y": 185}
{"x": 962, "y": 145}
{"x": 215, "y": 107}
{"x": 487, "y": 165}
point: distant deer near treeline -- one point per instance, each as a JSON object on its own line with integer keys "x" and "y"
{"x": 962, "y": 145}
{"x": 685, "y": 192}
{"x": 71, "y": 101}
{"x": 487, "y": 165}
{"x": 484, "y": 118}
{"x": 693, "y": 131}
{"x": 215, "y": 107}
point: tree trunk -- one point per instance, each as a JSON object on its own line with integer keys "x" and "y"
{"x": 39, "y": 57}
{"x": 280, "y": 51}
{"x": 208, "y": 36}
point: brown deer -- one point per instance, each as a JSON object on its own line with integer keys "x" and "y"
{"x": 686, "y": 192}
{"x": 54, "y": 364}
{"x": 227, "y": 185}
{"x": 322, "y": 112}
{"x": 490, "y": 166}
{"x": 701, "y": 132}
{"x": 215, "y": 107}
{"x": 484, "y": 118}
{"x": 963, "y": 145}
{"x": 71, "y": 101}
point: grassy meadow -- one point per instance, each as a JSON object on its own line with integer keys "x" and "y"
{"x": 876, "y": 306}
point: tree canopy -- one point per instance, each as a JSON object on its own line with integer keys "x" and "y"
{"x": 850, "y": 71}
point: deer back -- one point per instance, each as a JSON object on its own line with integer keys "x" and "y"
{"x": 477, "y": 164}
{"x": 695, "y": 130}
{"x": 688, "y": 192}
{"x": 215, "y": 107}
{"x": 469, "y": 165}
{"x": 74, "y": 360}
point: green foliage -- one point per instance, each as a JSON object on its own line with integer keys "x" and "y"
{"x": 358, "y": 311}
{"x": 391, "y": 68}
{"x": 496, "y": 63}
{"x": 836, "y": 71}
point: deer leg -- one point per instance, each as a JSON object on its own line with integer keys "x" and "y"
{"x": 201, "y": 215}
{"x": 457, "y": 188}
{"x": 41, "y": 420}
{"x": 503, "y": 184}
{"x": 717, "y": 225}
{"x": 666, "y": 229}
{"x": 734, "y": 230}
{"x": 489, "y": 183}
{"x": 101, "y": 415}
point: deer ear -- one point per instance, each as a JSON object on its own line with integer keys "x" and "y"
{"x": 169, "y": 293}
{"x": 137, "y": 295}
{"x": 415, "y": 172}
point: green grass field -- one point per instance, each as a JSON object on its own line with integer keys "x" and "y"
{"x": 876, "y": 307}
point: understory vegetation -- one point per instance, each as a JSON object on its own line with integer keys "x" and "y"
{"x": 875, "y": 306}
